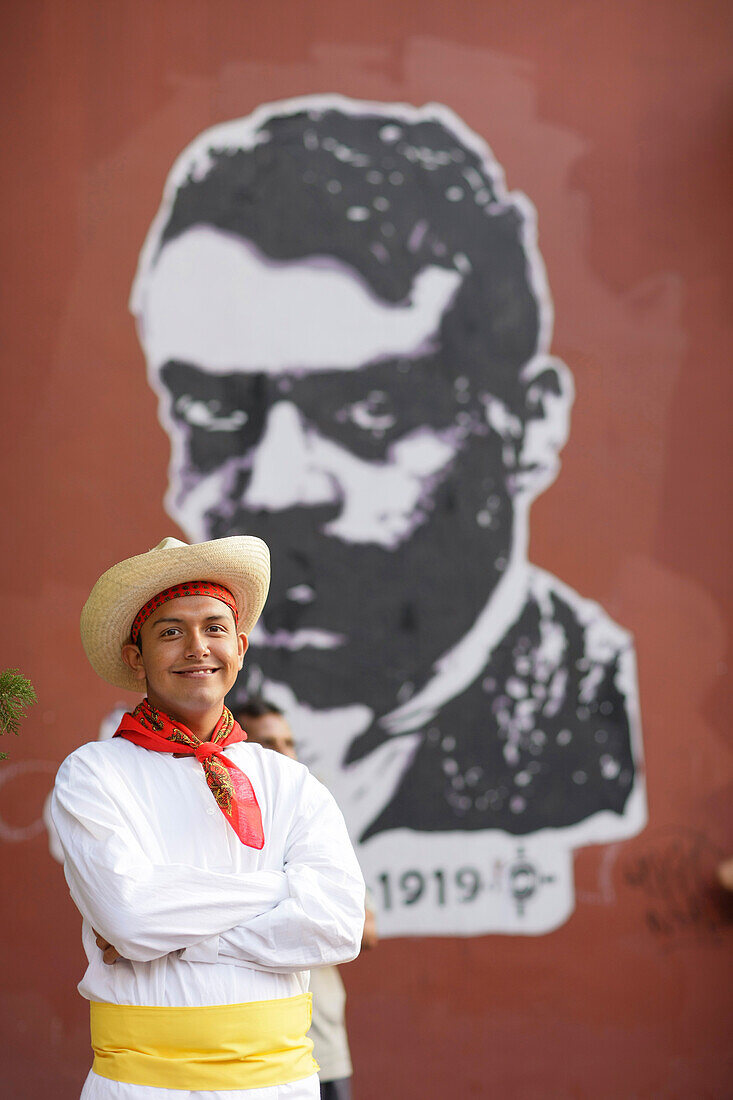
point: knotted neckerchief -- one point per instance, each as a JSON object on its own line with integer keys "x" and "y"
{"x": 231, "y": 788}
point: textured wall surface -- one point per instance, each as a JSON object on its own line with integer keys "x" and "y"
{"x": 613, "y": 119}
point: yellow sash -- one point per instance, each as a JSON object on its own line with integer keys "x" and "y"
{"x": 244, "y": 1046}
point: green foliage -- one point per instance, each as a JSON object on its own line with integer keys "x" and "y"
{"x": 16, "y": 693}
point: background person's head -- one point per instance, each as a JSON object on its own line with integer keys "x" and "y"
{"x": 266, "y": 725}
{"x": 346, "y": 319}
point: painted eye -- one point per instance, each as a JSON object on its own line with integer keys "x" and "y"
{"x": 373, "y": 414}
{"x": 208, "y": 415}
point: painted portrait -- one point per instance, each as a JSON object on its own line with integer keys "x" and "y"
{"x": 348, "y": 325}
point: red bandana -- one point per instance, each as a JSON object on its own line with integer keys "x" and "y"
{"x": 188, "y": 588}
{"x": 231, "y": 788}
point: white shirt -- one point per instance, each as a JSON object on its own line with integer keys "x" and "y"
{"x": 200, "y": 918}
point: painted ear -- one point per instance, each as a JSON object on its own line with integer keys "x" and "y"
{"x": 548, "y": 389}
{"x": 549, "y": 392}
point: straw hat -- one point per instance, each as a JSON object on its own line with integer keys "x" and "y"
{"x": 240, "y": 563}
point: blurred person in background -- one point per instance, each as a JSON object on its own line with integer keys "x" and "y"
{"x": 266, "y": 725}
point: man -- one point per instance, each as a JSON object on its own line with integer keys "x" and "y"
{"x": 266, "y": 725}
{"x": 210, "y": 875}
{"x": 347, "y": 322}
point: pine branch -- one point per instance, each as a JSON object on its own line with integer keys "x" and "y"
{"x": 16, "y": 694}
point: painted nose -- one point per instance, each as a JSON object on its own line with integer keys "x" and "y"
{"x": 285, "y": 469}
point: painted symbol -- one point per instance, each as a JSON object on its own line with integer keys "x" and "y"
{"x": 525, "y": 879}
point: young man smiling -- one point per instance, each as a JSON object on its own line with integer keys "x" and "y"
{"x": 211, "y": 874}
{"x": 192, "y": 652}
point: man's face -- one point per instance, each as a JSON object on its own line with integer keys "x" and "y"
{"x": 190, "y": 653}
{"x": 272, "y": 732}
{"x": 306, "y": 411}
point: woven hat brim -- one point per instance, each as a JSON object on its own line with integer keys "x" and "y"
{"x": 241, "y": 563}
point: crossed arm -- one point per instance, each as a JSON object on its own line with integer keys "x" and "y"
{"x": 308, "y": 914}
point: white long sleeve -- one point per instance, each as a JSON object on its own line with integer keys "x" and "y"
{"x": 322, "y": 919}
{"x": 146, "y": 909}
{"x": 153, "y": 865}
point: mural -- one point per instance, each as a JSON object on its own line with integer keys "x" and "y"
{"x": 346, "y": 320}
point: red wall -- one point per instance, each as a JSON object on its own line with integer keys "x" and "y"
{"x": 614, "y": 118}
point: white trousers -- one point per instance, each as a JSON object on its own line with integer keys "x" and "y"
{"x": 101, "y": 1088}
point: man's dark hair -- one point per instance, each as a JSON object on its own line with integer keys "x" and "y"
{"x": 256, "y": 707}
{"x": 387, "y": 197}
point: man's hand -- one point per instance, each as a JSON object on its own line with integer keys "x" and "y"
{"x": 110, "y": 954}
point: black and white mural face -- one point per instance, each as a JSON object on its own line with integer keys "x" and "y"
{"x": 346, "y": 319}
